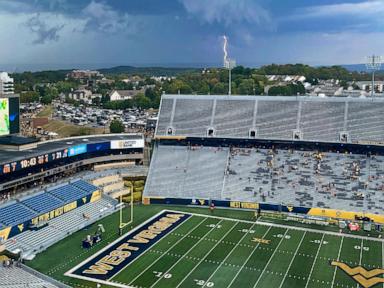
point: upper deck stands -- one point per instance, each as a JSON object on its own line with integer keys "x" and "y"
{"x": 332, "y": 119}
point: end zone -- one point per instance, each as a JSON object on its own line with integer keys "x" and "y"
{"x": 116, "y": 256}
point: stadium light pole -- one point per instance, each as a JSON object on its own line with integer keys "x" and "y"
{"x": 228, "y": 64}
{"x": 373, "y": 64}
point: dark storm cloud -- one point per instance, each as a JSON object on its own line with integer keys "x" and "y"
{"x": 169, "y": 31}
{"x": 42, "y": 31}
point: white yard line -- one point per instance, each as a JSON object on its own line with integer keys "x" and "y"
{"x": 169, "y": 249}
{"x": 186, "y": 253}
{"x": 246, "y": 261}
{"x": 338, "y": 259}
{"x": 382, "y": 257}
{"x": 270, "y": 258}
{"x": 229, "y": 254}
{"x": 202, "y": 259}
{"x": 282, "y": 225}
{"x": 293, "y": 258}
{"x": 268, "y": 224}
{"x": 361, "y": 256}
{"x": 314, "y": 261}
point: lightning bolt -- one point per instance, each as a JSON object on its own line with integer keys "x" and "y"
{"x": 225, "y": 50}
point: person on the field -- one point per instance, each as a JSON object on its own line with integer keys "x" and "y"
{"x": 212, "y": 207}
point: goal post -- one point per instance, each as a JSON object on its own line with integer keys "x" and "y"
{"x": 122, "y": 224}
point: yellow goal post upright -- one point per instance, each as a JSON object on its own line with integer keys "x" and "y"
{"x": 124, "y": 224}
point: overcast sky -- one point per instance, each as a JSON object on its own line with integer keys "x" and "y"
{"x": 98, "y": 33}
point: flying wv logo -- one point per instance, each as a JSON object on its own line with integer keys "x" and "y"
{"x": 364, "y": 277}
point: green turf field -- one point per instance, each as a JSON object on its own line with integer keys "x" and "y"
{"x": 226, "y": 249}
{"x": 206, "y": 251}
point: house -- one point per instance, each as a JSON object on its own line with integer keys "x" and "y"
{"x": 367, "y": 86}
{"x": 167, "y": 78}
{"x": 83, "y": 95}
{"x": 133, "y": 79}
{"x": 79, "y": 94}
{"x": 84, "y": 74}
{"x": 116, "y": 95}
{"x": 286, "y": 78}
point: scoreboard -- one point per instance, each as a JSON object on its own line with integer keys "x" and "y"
{"x": 33, "y": 161}
{"x": 70, "y": 152}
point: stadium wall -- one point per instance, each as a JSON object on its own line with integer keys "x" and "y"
{"x": 315, "y": 212}
{"x": 274, "y": 144}
{"x": 11, "y": 231}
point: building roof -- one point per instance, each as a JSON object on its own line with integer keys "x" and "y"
{"x": 4, "y": 77}
{"x": 127, "y": 93}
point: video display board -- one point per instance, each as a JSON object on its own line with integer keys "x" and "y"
{"x": 95, "y": 147}
{"x": 78, "y": 149}
{"x": 14, "y": 115}
{"x": 4, "y": 116}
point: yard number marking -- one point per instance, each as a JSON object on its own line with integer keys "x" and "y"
{"x": 358, "y": 247}
{"x": 204, "y": 283}
{"x": 162, "y": 275}
{"x": 282, "y": 236}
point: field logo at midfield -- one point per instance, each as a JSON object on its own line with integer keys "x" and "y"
{"x": 261, "y": 240}
{"x": 366, "y": 278}
{"x": 115, "y": 257}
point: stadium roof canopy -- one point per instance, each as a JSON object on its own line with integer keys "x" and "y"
{"x": 320, "y": 119}
{"x": 60, "y": 144}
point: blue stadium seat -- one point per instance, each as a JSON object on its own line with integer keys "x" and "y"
{"x": 43, "y": 203}
{"x": 15, "y": 214}
{"x": 32, "y": 207}
{"x": 83, "y": 185}
{"x": 68, "y": 193}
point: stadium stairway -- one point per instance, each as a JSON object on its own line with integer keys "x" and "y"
{"x": 34, "y": 242}
{"x": 112, "y": 185}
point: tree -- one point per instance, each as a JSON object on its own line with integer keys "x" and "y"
{"x": 142, "y": 102}
{"x": 29, "y": 97}
{"x": 246, "y": 87}
{"x": 96, "y": 101}
{"x": 203, "y": 88}
{"x": 66, "y": 86}
{"x": 152, "y": 93}
{"x": 344, "y": 84}
{"x": 47, "y": 94}
{"x": 220, "y": 88}
{"x": 119, "y": 104}
{"x": 176, "y": 86}
{"x": 46, "y": 99}
{"x": 116, "y": 126}
{"x": 69, "y": 100}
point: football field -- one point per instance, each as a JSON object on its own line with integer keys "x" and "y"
{"x": 208, "y": 251}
